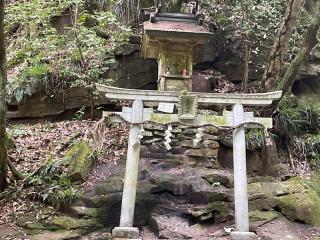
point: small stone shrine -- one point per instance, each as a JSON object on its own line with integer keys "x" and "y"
{"x": 177, "y": 41}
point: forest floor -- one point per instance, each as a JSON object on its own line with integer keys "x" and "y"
{"x": 36, "y": 142}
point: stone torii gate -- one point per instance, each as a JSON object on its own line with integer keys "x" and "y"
{"x": 187, "y": 113}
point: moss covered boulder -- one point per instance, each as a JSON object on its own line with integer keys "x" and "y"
{"x": 59, "y": 227}
{"x": 303, "y": 207}
{"x": 80, "y": 159}
{"x": 10, "y": 142}
{"x": 66, "y": 222}
{"x": 293, "y": 198}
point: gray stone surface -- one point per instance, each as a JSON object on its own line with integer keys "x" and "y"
{"x": 243, "y": 236}
{"x": 125, "y": 233}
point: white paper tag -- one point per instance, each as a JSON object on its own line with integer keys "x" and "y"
{"x": 166, "y": 107}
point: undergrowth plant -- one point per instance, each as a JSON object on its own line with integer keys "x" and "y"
{"x": 299, "y": 129}
{"x": 256, "y": 138}
{"x": 313, "y": 148}
{"x": 49, "y": 184}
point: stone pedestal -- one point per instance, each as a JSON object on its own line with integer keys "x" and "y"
{"x": 122, "y": 233}
{"x": 243, "y": 236}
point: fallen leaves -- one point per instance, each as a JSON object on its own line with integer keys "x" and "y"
{"x": 36, "y": 143}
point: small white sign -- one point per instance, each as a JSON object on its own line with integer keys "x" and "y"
{"x": 166, "y": 107}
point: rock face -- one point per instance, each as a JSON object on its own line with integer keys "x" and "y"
{"x": 133, "y": 71}
{"x": 130, "y": 70}
{"x": 40, "y": 105}
{"x": 307, "y": 85}
{"x": 203, "y": 154}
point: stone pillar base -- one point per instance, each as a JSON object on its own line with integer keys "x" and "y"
{"x": 243, "y": 236}
{"x": 125, "y": 233}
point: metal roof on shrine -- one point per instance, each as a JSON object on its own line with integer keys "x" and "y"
{"x": 173, "y": 25}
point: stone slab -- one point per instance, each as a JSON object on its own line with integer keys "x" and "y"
{"x": 125, "y": 233}
{"x": 243, "y": 236}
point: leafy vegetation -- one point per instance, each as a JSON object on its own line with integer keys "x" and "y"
{"x": 313, "y": 150}
{"x": 49, "y": 184}
{"x": 42, "y": 54}
{"x": 299, "y": 127}
{"x": 256, "y": 138}
{"x": 263, "y": 20}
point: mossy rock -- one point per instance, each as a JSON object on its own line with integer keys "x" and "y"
{"x": 58, "y": 235}
{"x": 60, "y": 227}
{"x": 80, "y": 159}
{"x": 10, "y": 142}
{"x": 303, "y": 207}
{"x": 219, "y": 211}
{"x": 82, "y": 212}
{"x": 267, "y": 216}
{"x": 112, "y": 185}
{"x": 294, "y": 199}
{"x": 66, "y": 222}
{"x": 219, "y": 177}
{"x": 33, "y": 228}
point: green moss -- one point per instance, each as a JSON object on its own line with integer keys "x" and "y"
{"x": 216, "y": 120}
{"x": 162, "y": 118}
{"x": 80, "y": 159}
{"x": 301, "y": 206}
{"x": 10, "y": 142}
{"x": 112, "y": 185}
{"x": 33, "y": 231}
{"x": 65, "y": 222}
{"x": 295, "y": 199}
{"x": 58, "y": 235}
{"x": 83, "y": 212}
{"x": 256, "y": 216}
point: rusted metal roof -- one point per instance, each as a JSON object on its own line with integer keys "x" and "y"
{"x": 176, "y": 25}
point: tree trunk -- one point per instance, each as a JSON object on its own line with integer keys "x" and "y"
{"x": 246, "y": 46}
{"x": 309, "y": 42}
{"x": 272, "y": 72}
{"x": 3, "y": 81}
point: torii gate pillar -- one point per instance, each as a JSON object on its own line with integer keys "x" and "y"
{"x": 240, "y": 177}
{"x": 126, "y": 229}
